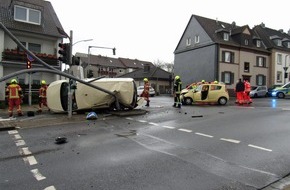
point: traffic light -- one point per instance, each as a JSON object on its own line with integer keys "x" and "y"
{"x": 64, "y": 52}
{"x": 114, "y": 51}
{"x": 28, "y": 64}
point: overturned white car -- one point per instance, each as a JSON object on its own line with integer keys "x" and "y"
{"x": 85, "y": 97}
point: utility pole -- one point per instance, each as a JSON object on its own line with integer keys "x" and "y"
{"x": 70, "y": 90}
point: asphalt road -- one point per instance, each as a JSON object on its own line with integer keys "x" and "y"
{"x": 195, "y": 147}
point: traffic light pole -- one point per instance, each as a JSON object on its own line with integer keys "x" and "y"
{"x": 70, "y": 90}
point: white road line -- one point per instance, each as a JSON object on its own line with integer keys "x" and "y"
{"x": 37, "y": 174}
{"x": 142, "y": 121}
{"x": 30, "y": 159}
{"x": 129, "y": 118}
{"x": 20, "y": 142}
{"x": 168, "y": 127}
{"x": 12, "y": 132}
{"x": 25, "y": 151}
{"x": 205, "y": 135}
{"x": 286, "y": 109}
{"x": 230, "y": 140}
{"x": 50, "y": 188}
{"x": 17, "y": 136}
{"x": 258, "y": 147}
{"x": 151, "y": 123}
{"x": 185, "y": 130}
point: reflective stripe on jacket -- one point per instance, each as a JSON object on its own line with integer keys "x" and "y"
{"x": 13, "y": 91}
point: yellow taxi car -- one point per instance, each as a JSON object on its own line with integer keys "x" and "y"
{"x": 206, "y": 93}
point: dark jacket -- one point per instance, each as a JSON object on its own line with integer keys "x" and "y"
{"x": 240, "y": 87}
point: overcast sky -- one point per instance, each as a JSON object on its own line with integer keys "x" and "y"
{"x": 149, "y": 30}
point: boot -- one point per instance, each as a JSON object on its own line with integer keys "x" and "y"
{"x": 147, "y": 104}
{"x": 174, "y": 105}
{"x": 179, "y": 105}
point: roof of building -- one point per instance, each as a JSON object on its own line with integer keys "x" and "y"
{"x": 134, "y": 63}
{"x": 238, "y": 34}
{"x": 268, "y": 36}
{"x": 50, "y": 24}
{"x": 151, "y": 73}
{"x": 99, "y": 60}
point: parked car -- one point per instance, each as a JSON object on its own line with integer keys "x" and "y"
{"x": 87, "y": 98}
{"x": 259, "y": 91}
{"x": 281, "y": 92}
{"x": 141, "y": 88}
{"x": 206, "y": 93}
{"x": 270, "y": 90}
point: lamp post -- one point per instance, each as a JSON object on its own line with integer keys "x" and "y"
{"x": 285, "y": 69}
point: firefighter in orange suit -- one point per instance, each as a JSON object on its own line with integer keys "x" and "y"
{"x": 240, "y": 89}
{"x": 42, "y": 96}
{"x": 14, "y": 96}
{"x": 247, "y": 97}
{"x": 145, "y": 93}
{"x": 176, "y": 91}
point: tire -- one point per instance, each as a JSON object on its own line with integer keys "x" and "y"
{"x": 187, "y": 101}
{"x": 222, "y": 101}
{"x": 281, "y": 95}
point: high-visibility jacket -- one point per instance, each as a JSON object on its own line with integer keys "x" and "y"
{"x": 177, "y": 87}
{"x": 42, "y": 91}
{"x": 247, "y": 86}
{"x": 14, "y": 91}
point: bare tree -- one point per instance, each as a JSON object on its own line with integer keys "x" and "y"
{"x": 163, "y": 65}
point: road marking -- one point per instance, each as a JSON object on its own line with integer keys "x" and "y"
{"x": 151, "y": 123}
{"x": 25, "y": 151}
{"x": 142, "y": 121}
{"x": 20, "y": 142}
{"x": 50, "y": 188}
{"x": 129, "y": 118}
{"x": 30, "y": 159}
{"x": 258, "y": 147}
{"x": 231, "y": 140}
{"x": 185, "y": 130}
{"x": 168, "y": 127}
{"x": 37, "y": 174}
{"x": 12, "y": 132}
{"x": 286, "y": 109}
{"x": 17, "y": 136}
{"x": 205, "y": 135}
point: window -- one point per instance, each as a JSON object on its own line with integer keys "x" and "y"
{"x": 279, "y": 59}
{"x": 258, "y": 43}
{"x": 246, "y": 67}
{"x": 226, "y": 36}
{"x": 34, "y": 47}
{"x": 246, "y": 42}
{"x": 279, "y": 76}
{"x": 261, "y": 61}
{"x": 35, "y": 81}
{"x": 227, "y": 77}
{"x": 188, "y": 41}
{"x": 28, "y": 15}
{"x": 261, "y": 80}
{"x": 228, "y": 57}
{"x": 288, "y": 44}
{"x": 196, "y": 39}
{"x": 279, "y": 43}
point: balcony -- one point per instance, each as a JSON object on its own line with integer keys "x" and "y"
{"x": 16, "y": 55}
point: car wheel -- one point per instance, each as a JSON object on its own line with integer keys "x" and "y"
{"x": 280, "y": 95}
{"x": 222, "y": 101}
{"x": 187, "y": 101}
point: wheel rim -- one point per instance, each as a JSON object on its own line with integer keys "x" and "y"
{"x": 188, "y": 101}
{"x": 222, "y": 101}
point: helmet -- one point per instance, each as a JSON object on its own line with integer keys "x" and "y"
{"x": 215, "y": 82}
{"x": 202, "y": 80}
{"x": 14, "y": 81}
{"x": 43, "y": 82}
{"x": 145, "y": 80}
{"x": 177, "y": 77}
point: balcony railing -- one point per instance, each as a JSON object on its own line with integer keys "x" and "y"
{"x": 15, "y": 55}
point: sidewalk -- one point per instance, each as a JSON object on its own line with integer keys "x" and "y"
{"x": 47, "y": 118}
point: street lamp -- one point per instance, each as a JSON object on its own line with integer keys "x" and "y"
{"x": 285, "y": 70}
{"x": 83, "y": 41}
